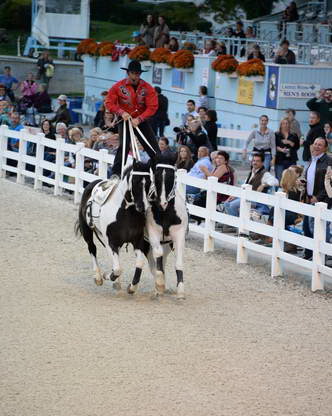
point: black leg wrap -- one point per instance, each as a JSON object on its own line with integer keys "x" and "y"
{"x": 160, "y": 266}
{"x": 179, "y": 276}
{"x": 137, "y": 276}
{"x": 113, "y": 277}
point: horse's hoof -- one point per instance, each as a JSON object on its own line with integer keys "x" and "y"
{"x": 131, "y": 290}
{"x": 117, "y": 285}
{"x": 180, "y": 291}
{"x": 180, "y": 296}
{"x": 99, "y": 282}
{"x": 160, "y": 289}
{"x": 113, "y": 277}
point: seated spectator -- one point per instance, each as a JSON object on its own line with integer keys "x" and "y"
{"x": 147, "y": 31}
{"x": 62, "y": 113}
{"x": 109, "y": 124}
{"x": 294, "y": 125}
{"x": 49, "y": 152}
{"x": 160, "y": 119}
{"x": 93, "y": 137}
{"x": 284, "y": 55}
{"x": 184, "y": 160}
{"x": 195, "y": 171}
{"x": 165, "y": 149}
{"x": 315, "y": 177}
{"x": 260, "y": 180}
{"x": 42, "y": 100}
{"x": 287, "y": 145}
{"x": 190, "y": 112}
{"x": 29, "y": 87}
{"x": 328, "y": 133}
{"x": 75, "y": 135}
{"x": 203, "y": 100}
{"x": 202, "y": 115}
{"x": 210, "y": 47}
{"x": 161, "y": 33}
{"x": 62, "y": 130}
{"x": 9, "y": 81}
{"x": 173, "y": 44}
{"x": 315, "y": 131}
{"x": 3, "y": 95}
{"x": 221, "y": 48}
{"x": 4, "y": 113}
{"x": 223, "y": 172}
{"x": 256, "y": 53}
{"x": 229, "y": 33}
{"x": 108, "y": 141}
{"x": 250, "y": 34}
{"x": 322, "y": 104}
{"x": 211, "y": 128}
{"x": 264, "y": 141}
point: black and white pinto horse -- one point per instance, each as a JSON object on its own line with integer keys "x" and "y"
{"x": 121, "y": 220}
{"x": 166, "y": 225}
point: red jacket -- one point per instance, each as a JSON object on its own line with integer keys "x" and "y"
{"x": 122, "y": 97}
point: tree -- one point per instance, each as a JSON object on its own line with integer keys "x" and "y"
{"x": 228, "y": 9}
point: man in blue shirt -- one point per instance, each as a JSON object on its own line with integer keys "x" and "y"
{"x": 15, "y": 124}
{"x": 203, "y": 160}
{"x": 8, "y": 81}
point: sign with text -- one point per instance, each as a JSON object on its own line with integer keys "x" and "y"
{"x": 298, "y": 90}
{"x": 157, "y": 75}
{"x": 245, "y": 92}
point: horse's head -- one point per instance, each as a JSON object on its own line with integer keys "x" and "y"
{"x": 140, "y": 184}
{"x": 164, "y": 173}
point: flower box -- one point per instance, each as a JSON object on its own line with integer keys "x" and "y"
{"x": 146, "y": 63}
{"x": 232, "y": 75}
{"x": 185, "y": 69}
{"x": 255, "y": 78}
{"x": 162, "y": 65}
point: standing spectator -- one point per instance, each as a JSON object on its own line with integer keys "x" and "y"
{"x": 15, "y": 124}
{"x": 264, "y": 142}
{"x": 147, "y": 31}
{"x": 9, "y": 82}
{"x": 287, "y": 145}
{"x": 110, "y": 123}
{"x": 256, "y": 53}
{"x": 316, "y": 130}
{"x": 239, "y": 33}
{"x": 190, "y": 112}
{"x": 42, "y": 100}
{"x": 290, "y": 13}
{"x": 203, "y": 100}
{"x": 49, "y": 152}
{"x": 294, "y": 125}
{"x": 161, "y": 33}
{"x": 212, "y": 128}
{"x": 323, "y": 104}
{"x": 221, "y": 48}
{"x": 197, "y": 137}
{"x": 315, "y": 176}
{"x": 29, "y": 87}
{"x": 260, "y": 180}
{"x": 328, "y": 134}
{"x": 250, "y": 34}
{"x": 4, "y": 113}
{"x": 45, "y": 67}
{"x": 184, "y": 160}
{"x": 284, "y": 55}
{"x": 160, "y": 119}
{"x": 165, "y": 150}
{"x": 210, "y": 47}
{"x": 173, "y": 45}
{"x": 62, "y": 113}
{"x": 195, "y": 171}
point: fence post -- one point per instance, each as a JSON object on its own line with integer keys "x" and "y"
{"x": 102, "y": 168}
{"x": 59, "y": 161}
{"x": 245, "y": 206}
{"x": 180, "y": 186}
{"x": 211, "y": 206}
{"x": 79, "y": 168}
{"x": 22, "y": 151}
{"x": 317, "y": 281}
{"x": 3, "y": 148}
{"x": 278, "y": 224}
{"x": 39, "y": 158}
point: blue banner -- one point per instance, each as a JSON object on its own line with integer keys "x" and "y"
{"x": 272, "y": 87}
{"x": 177, "y": 79}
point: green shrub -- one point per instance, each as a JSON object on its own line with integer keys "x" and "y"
{"x": 16, "y": 14}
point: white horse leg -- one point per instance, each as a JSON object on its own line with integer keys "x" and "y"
{"x": 179, "y": 248}
{"x": 138, "y": 271}
{"x": 96, "y": 268}
{"x": 157, "y": 250}
{"x": 116, "y": 269}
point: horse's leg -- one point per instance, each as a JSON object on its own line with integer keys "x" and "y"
{"x": 179, "y": 242}
{"x": 138, "y": 271}
{"x": 116, "y": 269}
{"x": 157, "y": 250}
{"x": 87, "y": 234}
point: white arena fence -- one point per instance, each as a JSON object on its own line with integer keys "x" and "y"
{"x": 210, "y": 213}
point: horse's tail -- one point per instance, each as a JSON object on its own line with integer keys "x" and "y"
{"x": 81, "y": 226}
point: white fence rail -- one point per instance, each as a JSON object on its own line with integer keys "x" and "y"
{"x": 34, "y": 167}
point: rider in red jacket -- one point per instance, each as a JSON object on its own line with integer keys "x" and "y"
{"x": 132, "y": 98}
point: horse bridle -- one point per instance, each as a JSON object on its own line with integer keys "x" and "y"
{"x": 151, "y": 190}
{"x": 171, "y": 195}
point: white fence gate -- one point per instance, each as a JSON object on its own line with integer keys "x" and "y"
{"x": 211, "y": 216}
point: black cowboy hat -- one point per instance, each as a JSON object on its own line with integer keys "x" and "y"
{"x": 134, "y": 66}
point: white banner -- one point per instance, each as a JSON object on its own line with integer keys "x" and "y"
{"x": 298, "y": 90}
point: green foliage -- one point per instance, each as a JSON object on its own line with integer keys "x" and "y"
{"x": 102, "y": 31}
{"x": 15, "y": 14}
{"x": 227, "y": 8}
